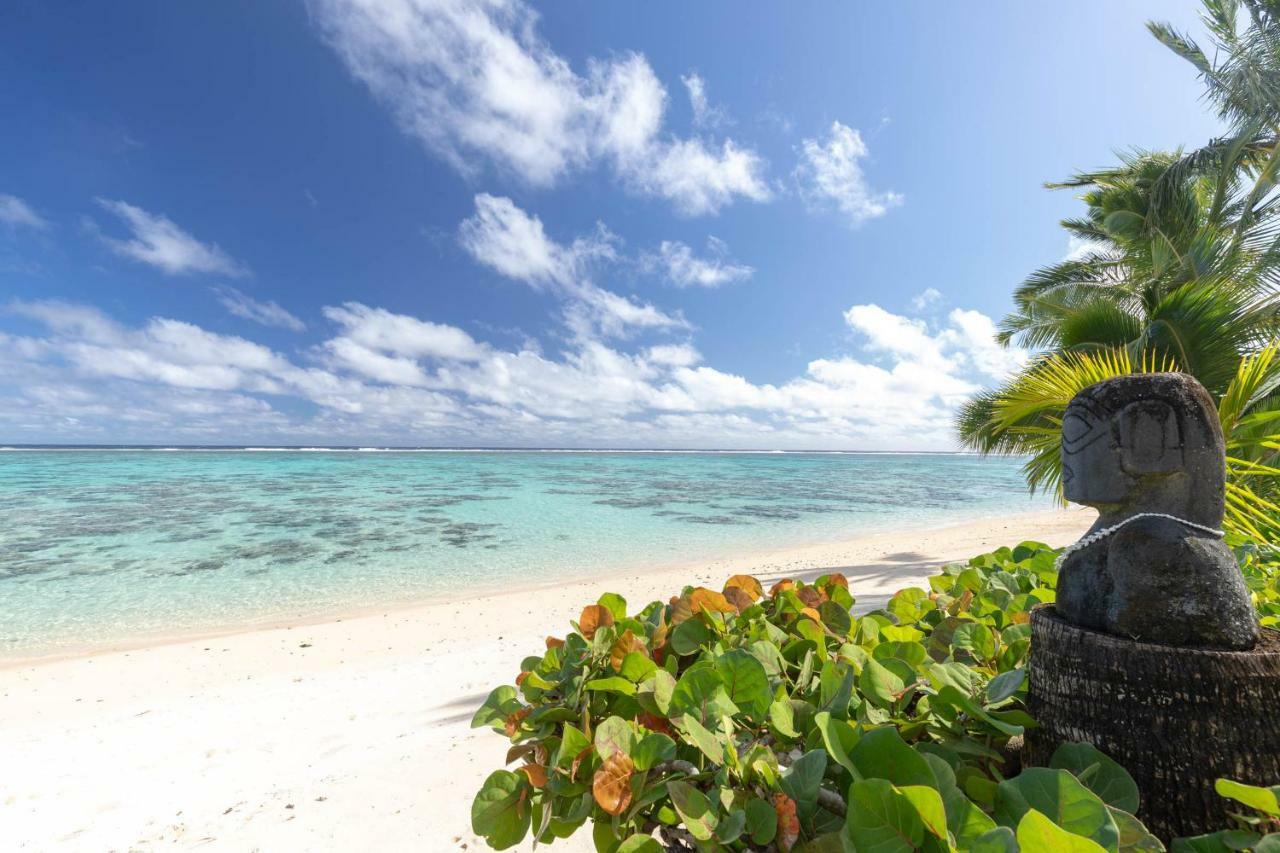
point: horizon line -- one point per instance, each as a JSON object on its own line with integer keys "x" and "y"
{"x": 19, "y": 446}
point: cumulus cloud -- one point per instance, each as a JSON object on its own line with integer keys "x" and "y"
{"x": 514, "y": 243}
{"x": 400, "y": 334}
{"x": 409, "y": 380}
{"x": 474, "y": 82}
{"x": 17, "y": 213}
{"x": 830, "y": 174}
{"x": 165, "y": 351}
{"x": 157, "y": 241}
{"x": 267, "y": 313}
{"x": 683, "y": 268}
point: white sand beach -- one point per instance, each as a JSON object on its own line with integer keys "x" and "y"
{"x": 352, "y": 734}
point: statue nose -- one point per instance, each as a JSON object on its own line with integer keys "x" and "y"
{"x": 1067, "y": 474}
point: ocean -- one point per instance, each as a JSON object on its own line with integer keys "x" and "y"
{"x": 109, "y": 546}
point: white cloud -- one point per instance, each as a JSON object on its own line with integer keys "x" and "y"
{"x": 502, "y": 236}
{"x": 475, "y": 82}
{"x": 160, "y": 243}
{"x": 394, "y": 378}
{"x": 399, "y": 334}
{"x": 16, "y": 212}
{"x": 700, "y": 179}
{"x": 704, "y": 114}
{"x": 267, "y": 313}
{"x": 685, "y": 269}
{"x": 902, "y": 337}
{"x": 514, "y": 243}
{"x": 975, "y": 334}
{"x": 830, "y": 173}
{"x": 926, "y": 298}
{"x": 673, "y": 355}
{"x": 170, "y": 352}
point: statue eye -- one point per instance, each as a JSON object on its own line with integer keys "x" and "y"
{"x": 1075, "y": 427}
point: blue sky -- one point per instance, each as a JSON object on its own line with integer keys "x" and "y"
{"x": 494, "y": 224}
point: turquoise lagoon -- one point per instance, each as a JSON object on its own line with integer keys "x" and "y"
{"x": 99, "y": 547}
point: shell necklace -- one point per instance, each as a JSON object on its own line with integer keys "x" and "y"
{"x": 1098, "y": 536}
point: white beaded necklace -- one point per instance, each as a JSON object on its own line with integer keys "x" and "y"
{"x": 1098, "y": 536}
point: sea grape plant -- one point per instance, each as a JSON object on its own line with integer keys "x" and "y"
{"x": 1259, "y": 822}
{"x": 744, "y": 720}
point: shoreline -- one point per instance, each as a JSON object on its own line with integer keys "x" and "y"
{"x": 344, "y": 612}
{"x": 350, "y": 734}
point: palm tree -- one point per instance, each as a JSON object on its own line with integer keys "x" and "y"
{"x": 1169, "y": 278}
{"x": 1242, "y": 82}
{"x": 1179, "y": 268}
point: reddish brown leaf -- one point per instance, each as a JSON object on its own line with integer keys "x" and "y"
{"x": 709, "y": 601}
{"x": 659, "y": 638}
{"x": 962, "y": 603}
{"x": 788, "y": 822}
{"x": 520, "y": 750}
{"x": 681, "y": 609}
{"x": 628, "y": 642}
{"x": 738, "y": 598}
{"x": 746, "y": 583}
{"x": 514, "y": 720}
{"x": 577, "y": 761}
{"x": 611, "y": 786}
{"x": 593, "y": 618}
{"x": 837, "y": 579}
{"x": 781, "y": 587}
{"x": 811, "y": 595}
{"x": 521, "y": 677}
{"x": 535, "y": 773}
{"x": 554, "y": 643}
{"x": 654, "y": 723}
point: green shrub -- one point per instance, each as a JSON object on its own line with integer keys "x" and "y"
{"x": 740, "y": 720}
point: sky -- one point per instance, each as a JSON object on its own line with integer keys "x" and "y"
{"x": 494, "y": 224}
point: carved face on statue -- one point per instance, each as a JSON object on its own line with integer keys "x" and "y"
{"x": 1147, "y": 451}
{"x": 1147, "y": 442}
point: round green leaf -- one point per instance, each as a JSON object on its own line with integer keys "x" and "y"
{"x": 880, "y": 683}
{"x": 1005, "y": 685}
{"x": 694, "y": 809}
{"x": 745, "y": 681}
{"x": 640, "y": 844}
{"x": 762, "y": 821}
{"x": 700, "y": 692}
{"x": 976, "y": 639}
{"x": 689, "y": 636}
{"x": 884, "y": 754}
{"x": 881, "y": 818}
{"x": 653, "y": 748}
{"x": 1266, "y": 800}
{"x": 1060, "y": 797}
{"x": 1099, "y": 773}
{"x": 614, "y": 735}
{"x": 500, "y": 813}
{"x": 1037, "y": 832}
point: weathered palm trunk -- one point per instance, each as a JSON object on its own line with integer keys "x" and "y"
{"x": 1176, "y": 718}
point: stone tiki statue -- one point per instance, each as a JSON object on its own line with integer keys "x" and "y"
{"x": 1151, "y": 443}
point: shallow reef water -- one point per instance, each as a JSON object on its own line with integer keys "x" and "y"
{"x": 102, "y": 546}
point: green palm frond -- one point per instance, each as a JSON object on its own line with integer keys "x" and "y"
{"x": 1025, "y": 417}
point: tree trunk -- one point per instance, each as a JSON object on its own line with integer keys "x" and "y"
{"x": 1176, "y": 718}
